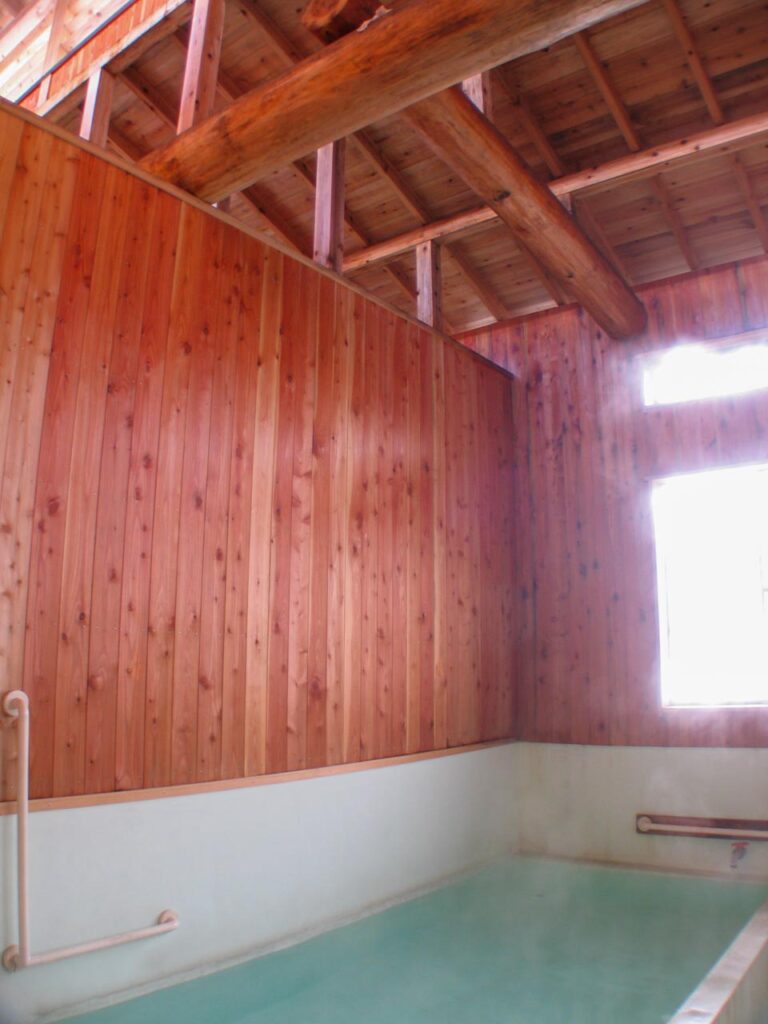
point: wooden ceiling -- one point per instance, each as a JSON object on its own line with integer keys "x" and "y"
{"x": 659, "y": 73}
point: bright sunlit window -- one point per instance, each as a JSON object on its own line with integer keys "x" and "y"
{"x": 688, "y": 373}
{"x": 712, "y": 564}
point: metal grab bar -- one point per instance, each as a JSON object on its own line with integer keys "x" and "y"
{"x": 648, "y": 826}
{"x": 16, "y": 705}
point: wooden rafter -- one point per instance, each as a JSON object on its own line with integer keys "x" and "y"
{"x": 280, "y": 43}
{"x": 56, "y": 47}
{"x": 714, "y": 107}
{"x": 585, "y": 216}
{"x": 201, "y": 67}
{"x": 621, "y": 116}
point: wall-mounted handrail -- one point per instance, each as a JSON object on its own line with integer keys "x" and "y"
{"x": 16, "y": 705}
{"x": 702, "y": 828}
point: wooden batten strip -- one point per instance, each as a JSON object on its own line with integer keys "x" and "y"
{"x": 250, "y": 782}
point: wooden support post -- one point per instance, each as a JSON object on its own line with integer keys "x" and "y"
{"x": 94, "y": 124}
{"x": 478, "y": 90}
{"x": 428, "y": 291}
{"x": 328, "y": 247}
{"x": 201, "y": 71}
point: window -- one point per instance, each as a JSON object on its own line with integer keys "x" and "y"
{"x": 688, "y": 373}
{"x": 712, "y": 564}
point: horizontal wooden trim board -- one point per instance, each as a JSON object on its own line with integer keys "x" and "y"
{"x": 63, "y": 803}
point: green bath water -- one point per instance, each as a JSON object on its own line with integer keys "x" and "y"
{"x": 522, "y": 942}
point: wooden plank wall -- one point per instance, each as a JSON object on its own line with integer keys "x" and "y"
{"x": 586, "y": 451}
{"x": 250, "y": 521}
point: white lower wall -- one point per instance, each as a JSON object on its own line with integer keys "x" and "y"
{"x": 581, "y": 802}
{"x": 251, "y": 869}
{"x": 245, "y": 869}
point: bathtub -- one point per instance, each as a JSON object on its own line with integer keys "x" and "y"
{"x": 525, "y": 941}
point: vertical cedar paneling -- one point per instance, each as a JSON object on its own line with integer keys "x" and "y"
{"x": 251, "y": 520}
{"x": 190, "y": 273}
{"x": 264, "y": 524}
{"x": 354, "y": 509}
{"x": 104, "y": 639}
{"x": 247, "y": 300}
{"x": 24, "y": 359}
{"x": 585, "y": 452}
{"x": 319, "y": 561}
{"x": 372, "y": 341}
{"x": 154, "y": 318}
{"x": 40, "y": 676}
{"x": 301, "y": 331}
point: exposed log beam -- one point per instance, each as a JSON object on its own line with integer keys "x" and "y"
{"x": 428, "y": 285}
{"x": 331, "y": 19}
{"x": 715, "y": 142}
{"x": 490, "y": 167}
{"x": 621, "y": 116}
{"x": 94, "y": 124}
{"x": 201, "y": 68}
{"x": 364, "y": 77}
{"x": 328, "y": 245}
